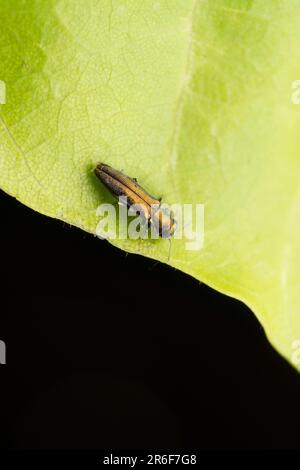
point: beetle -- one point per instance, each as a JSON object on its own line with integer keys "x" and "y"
{"x": 120, "y": 184}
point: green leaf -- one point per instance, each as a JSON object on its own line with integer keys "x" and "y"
{"x": 194, "y": 99}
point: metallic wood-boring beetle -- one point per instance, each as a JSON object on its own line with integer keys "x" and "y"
{"x": 150, "y": 207}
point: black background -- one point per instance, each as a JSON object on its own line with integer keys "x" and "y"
{"x": 108, "y": 350}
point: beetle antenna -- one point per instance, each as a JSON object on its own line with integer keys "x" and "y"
{"x": 169, "y": 249}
